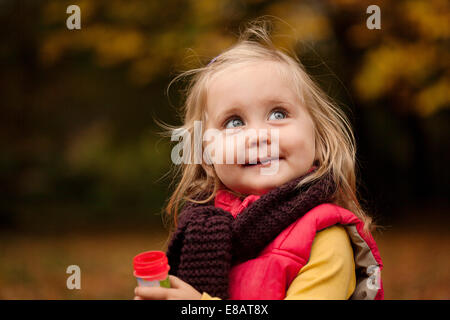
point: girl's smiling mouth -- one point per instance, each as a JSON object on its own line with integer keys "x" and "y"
{"x": 261, "y": 162}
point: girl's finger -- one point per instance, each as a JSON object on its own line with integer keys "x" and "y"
{"x": 137, "y": 298}
{"x": 175, "y": 282}
{"x": 153, "y": 293}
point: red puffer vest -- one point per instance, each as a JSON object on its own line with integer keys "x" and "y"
{"x": 269, "y": 275}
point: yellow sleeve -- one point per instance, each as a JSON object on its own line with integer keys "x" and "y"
{"x": 330, "y": 271}
{"x": 206, "y": 296}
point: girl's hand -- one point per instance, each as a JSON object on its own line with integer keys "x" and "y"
{"x": 179, "y": 290}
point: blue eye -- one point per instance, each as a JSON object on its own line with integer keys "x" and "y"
{"x": 234, "y": 123}
{"x": 278, "y": 115}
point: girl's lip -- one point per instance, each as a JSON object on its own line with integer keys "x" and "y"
{"x": 259, "y": 164}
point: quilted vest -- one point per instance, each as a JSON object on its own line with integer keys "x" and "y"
{"x": 269, "y": 275}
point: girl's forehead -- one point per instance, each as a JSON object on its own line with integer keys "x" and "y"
{"x": 249, "y": 67}
{"x": 262, "y": 80}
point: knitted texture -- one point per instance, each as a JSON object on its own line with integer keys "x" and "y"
{"x": 209, "y": 240}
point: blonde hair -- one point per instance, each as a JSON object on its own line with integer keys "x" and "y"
{"x": 335, "y": 142}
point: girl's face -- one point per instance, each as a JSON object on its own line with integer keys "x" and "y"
{"x": 257, "y": 98}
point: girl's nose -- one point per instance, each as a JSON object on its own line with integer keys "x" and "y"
{"x": 257, "y": 138}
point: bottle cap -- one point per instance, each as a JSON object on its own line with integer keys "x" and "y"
{"x": 151, "y": 265}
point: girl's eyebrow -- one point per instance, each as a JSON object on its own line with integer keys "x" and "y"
{"x": 277, "y": 101}
{"x": 226, "y": 113}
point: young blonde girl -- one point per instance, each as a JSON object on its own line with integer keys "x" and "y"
{"x": 297, "y": 234}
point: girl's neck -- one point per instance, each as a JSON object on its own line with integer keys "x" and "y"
{"x": 242, "y": 195}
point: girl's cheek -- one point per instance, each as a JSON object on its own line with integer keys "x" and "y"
{"x": 215, "y": 149}
{"x": 239, "y": 147}
{"x": 226, "y": 149}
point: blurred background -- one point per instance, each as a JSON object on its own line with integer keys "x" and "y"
{"x": 84, "y": 174}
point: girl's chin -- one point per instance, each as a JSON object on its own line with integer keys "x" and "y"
{"x": 258, "y": 189}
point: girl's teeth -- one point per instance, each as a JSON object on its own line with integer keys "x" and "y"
{"x": 259, "y": 163}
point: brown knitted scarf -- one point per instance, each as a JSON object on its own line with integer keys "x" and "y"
{"x": 209, "y": 240}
